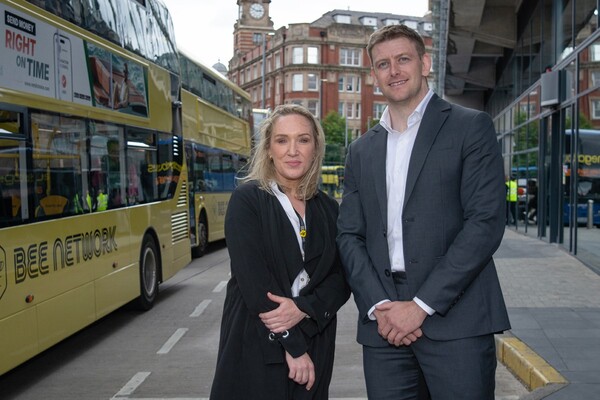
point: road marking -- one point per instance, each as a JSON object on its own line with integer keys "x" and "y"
{"x": 220, "y": 286}
{"x": 200, "y": 308}
{"x": 172, "y": 341}
{"x": 133, "y": 384}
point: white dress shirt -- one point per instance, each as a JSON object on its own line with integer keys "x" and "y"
{"x": 399, "y": 149}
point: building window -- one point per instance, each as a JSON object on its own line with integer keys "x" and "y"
{"x": 349, "y": 110}
{"x": 350, "y": 57}
{"x": 427, "y": 26}
{"x": 369, "y": 21}
{"x": 277, "y": 60}
{"x": 342, "y": 19}
{"x": 595, "y": 52}
{"x": 313, "y": 55}
{"x": 255, "y": 71}
{"x": 312, "y": 107}
{"x": 389, "y": 21}
{"x": 312, "y": 82}
{"x": 297, "y": 55}
{"x": 595, "y": 78}
{"x": 349, "y": 83}
{"x": 297, "y": 83}
{"x": 257, "y": 38}
{"x": 411, "y": 24}
{"x": 378, "y": 109}
{"x": 596, "y": 109}
{"x": 377, "y": 90}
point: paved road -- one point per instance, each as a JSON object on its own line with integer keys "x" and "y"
{"x": 169, "y": 353}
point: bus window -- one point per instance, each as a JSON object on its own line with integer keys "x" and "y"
{"x": 141, "y": 175}
{"x": 107, "y": 178}
{"x": 58, "y": 156}
{"x": 170, "y": 160}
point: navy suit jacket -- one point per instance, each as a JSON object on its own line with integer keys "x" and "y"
{"x": 452, "y": 223}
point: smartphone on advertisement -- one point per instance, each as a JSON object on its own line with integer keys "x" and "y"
{"x": 64, "y": 75}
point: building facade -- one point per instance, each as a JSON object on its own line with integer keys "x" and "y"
{"x": 322, "y": 65}
{"x": 535, "y": 67}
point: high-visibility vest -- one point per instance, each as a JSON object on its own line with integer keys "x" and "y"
{"x": 511, "y": 194}
{"x": 102, "y": 200}
{"x": 78, "y": 207}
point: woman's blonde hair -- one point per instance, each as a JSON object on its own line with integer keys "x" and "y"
{"x": 261, "y": 167}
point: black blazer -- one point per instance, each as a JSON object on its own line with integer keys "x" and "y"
{"x": 452, "y": 223}
{"x": 265, "y": 257}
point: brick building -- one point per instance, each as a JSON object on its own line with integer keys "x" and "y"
{"x": 322, "y": 65}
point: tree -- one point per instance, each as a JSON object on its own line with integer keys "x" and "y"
{"x": 334, "y": 127}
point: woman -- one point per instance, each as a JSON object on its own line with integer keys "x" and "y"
{"x": 279, "y": 318}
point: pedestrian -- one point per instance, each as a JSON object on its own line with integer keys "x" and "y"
{"x": 512, "y": 197}
{"x": 421, "y": 216}
{"x": 287, "y": 282}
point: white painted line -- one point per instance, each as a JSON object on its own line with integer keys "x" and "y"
{"x": 172, "y": 341}
{"x": 200, "y": 309}
{"x": 220, "y": 286}
{"x": 133, "y": 384}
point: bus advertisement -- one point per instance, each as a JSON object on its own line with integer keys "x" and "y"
{"x": 93, "y": 183}
{"x": 587, "y": 192}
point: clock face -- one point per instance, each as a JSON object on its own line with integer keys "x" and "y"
{"x": 257, "y": 10}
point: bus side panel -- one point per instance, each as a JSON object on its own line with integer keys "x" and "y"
{"x": 19, "y": 339}
{"x": 215, "y": 205}
{"x": 63, "y": 315}
{"x": 117, "y": 289}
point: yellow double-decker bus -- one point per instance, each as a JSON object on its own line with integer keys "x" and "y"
{"x": 93, "y": 184}
{"x": 218, "y": 134}
{"x": 332, "y": 180}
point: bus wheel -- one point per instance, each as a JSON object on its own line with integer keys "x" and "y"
{"x": 149, "y": 264}
{"x": 202, "y": 233}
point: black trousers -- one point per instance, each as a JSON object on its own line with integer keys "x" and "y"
{"x": 462, "y": 369}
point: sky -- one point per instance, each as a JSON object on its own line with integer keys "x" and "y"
{"x": 204, "y": 28}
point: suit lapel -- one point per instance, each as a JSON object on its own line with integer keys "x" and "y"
{"x": 431, "y": 123}
{"x": 377, "y": 161}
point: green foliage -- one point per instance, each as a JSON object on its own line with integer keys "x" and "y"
{"x": 334, "y": 154}
{"x": 371, "y": 123}
{"x": 334, "y": 127}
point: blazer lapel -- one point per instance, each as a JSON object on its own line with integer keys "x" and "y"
{"x": 377, "y": 159}
{"x": 316, "y": 225}
{"x": 431, "y": 123}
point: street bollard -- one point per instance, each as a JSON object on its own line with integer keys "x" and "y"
{"x": 590, "y": 214}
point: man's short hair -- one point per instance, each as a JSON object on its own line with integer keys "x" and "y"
{"x": 390, "y": 32}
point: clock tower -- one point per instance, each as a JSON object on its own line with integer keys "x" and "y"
{"x": 252, "y": 25}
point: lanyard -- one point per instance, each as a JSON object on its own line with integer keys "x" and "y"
{"x": 302, "y": 229}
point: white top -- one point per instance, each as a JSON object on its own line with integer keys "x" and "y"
{"x": 302, "y": 279}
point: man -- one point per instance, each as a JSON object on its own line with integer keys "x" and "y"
{"x": 421, "y": 216}
{"x": 511, "y": 200}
